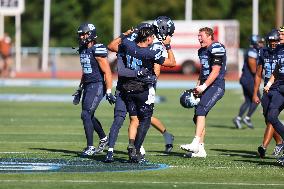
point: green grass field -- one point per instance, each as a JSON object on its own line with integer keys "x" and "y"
{"x": 54, "y": 130}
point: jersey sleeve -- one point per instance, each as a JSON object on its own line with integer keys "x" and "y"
{"x": 217, "y": 52}
{"x": 100, "y": 50}
{"x": 252, "y": 53}
{"x": 260, "y": 61}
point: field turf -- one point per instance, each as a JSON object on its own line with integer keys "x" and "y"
{"x": 49, "y": 130}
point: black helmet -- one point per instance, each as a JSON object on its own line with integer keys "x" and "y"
{"x": 188, "y": 99}
{"x": 89, "y": 29}
{"x": 272, "y": 36}
{"x": 163, "y": 27}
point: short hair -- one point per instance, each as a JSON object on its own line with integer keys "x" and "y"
{"x": 208, "y": 31}
{"x": 143, "y": 33}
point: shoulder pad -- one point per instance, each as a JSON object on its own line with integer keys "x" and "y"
{"x": 217, "y": 49}
{"x": 100, "y": 50}
{"x": 252, "y": 52}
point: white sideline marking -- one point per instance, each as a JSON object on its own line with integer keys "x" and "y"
{"x": 146, "y": 182}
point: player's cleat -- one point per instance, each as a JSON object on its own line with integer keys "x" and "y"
{"x": 89, "y": 151}
{"x": 192, "y": 147}
{"x": 132, "y": 153}
{"x": 102, "y": 145}
{"x": 168, "y": 148}
{"x": 277, "y": 149}
{"x": 200, "y": 154}
{"x": 237, "y": 122}
{"x": 261, "y": 151}
{"x": 169, "y": 144}
{"x": 248, "y": 123}
{"x": 141, "y": 159}
{"x": 280, "y": 160}
{"x": 109, "y": 157}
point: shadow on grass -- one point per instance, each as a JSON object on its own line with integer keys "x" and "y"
{"x": 261, "y": 162}
{"x": 97, "y": 157}
{"x": 223, "y": 126}
{"x": 239, "y": 153}
{"x": 162, "y": 153}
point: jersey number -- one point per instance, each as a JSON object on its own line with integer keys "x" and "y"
{"x": 133, "y": 63}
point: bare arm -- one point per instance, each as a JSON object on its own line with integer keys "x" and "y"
{"x": 257, "y": 81}
{"x": 104, "y": 65}
{"x": 157, "y": 69}
{"x": 252, "y": 64}
{"x": 113, "y": 45}
{"x": 170, "y": 61}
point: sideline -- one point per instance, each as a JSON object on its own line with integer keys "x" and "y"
{"x": 59, "y": 83}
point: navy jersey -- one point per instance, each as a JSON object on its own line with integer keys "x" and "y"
{"x": 133, "y": 57}
{"x": 214, "y": 54}
{"x": 90, "y": 66}
{"x": 280, "y": 57}
{"x": 268, "y": 60}
{"x": 246, "y": 72}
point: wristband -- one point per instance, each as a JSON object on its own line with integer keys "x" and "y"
{"x": 268, "y": 84}
{"x": 108, "y": 91}
{"x": 203, "y": 87}
{"x": 168, "y": 46}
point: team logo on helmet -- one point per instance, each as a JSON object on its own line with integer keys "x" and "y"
{"x": 163, "y": 27}
{"x": 188, "y": 99}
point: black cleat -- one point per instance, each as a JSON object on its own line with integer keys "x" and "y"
{"x": 132, "y": 154}
{"x": 168, "y": 148}
{"x": 261, "y": 151}
{"x": 109, "y": 157}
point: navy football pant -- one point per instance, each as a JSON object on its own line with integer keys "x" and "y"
{"x": 120, "y": 112}
{"x": 92, "y": 96}
{"x": 275, "y": 107}
{"x": 136, "y": 106}
{"x": 248, "y": 103}
{"x": 208, "y": 100}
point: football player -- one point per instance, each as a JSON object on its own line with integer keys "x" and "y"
{"x": 277, "y": 97}
{"x": 139, "y": 94}
{"x": 267, "y": 62}
{"x": 210, "y": 86}
{"x": 96, "y": 81}
{"x": 247, "y": 82}
{"x": 120, "y": 108}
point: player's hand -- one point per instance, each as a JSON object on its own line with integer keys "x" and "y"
{"x": 256, "y": 99}
{"x": 111, "y": 99}
{"x": 77, "y": 96}
{"x": 167, "y": 41}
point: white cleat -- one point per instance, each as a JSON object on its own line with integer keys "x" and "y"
{"x": 192, "y": 147}
{"x": 200, "y": 154}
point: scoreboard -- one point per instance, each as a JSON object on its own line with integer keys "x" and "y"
{"x": 12, "y": 7}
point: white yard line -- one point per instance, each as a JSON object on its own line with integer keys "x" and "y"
{"x": 142, "y": 182}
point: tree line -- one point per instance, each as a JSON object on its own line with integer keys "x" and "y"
{"x": 66, "y": 16}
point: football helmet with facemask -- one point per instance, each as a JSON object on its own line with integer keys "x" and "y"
{"x": 163, "y": 27}
{"x": 88, "y": 29}
{"x": 188, "y": 99}
{"x": 272, "y": 39}
{"x": 255, "y": 41}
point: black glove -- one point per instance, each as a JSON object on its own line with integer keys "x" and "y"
{"x": 111, "y": 99}
{"x": 143, "y": 72}
{"x": 149, "y": 79}
{"x": 77, "y": 96}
